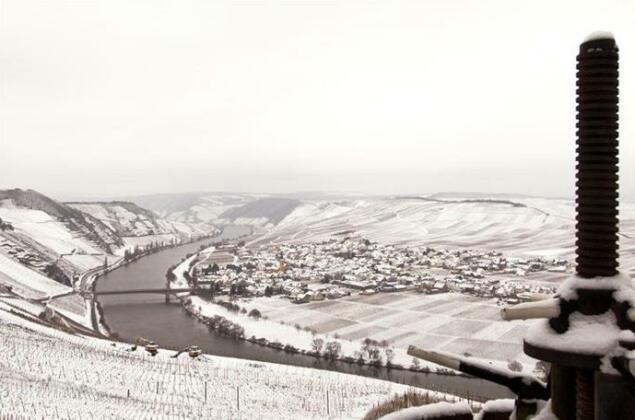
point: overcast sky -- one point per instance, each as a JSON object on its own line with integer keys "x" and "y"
{"x": 106, "y": 98}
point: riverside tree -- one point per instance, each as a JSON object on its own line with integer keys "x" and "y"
{"x": 317, "y": 344}
{"x": 333, "y": 349}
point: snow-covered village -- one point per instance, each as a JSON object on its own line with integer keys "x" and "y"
{"x": 317, "y": 210}
{"x": 339, "y": 267}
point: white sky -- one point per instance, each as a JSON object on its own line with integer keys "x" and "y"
{"x": 102, "y": 98}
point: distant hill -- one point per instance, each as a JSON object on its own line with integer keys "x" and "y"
{"x": 127, "y": 219}
{"x": 166, "y": 204}
{"x": 195, "y": 209}
{"x": 475, "y": 199}
{"x": 262, "y": 211}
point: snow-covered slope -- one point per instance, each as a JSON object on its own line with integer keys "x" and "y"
{"x": 45, "y": 245}
{"x": 127, "y": 219}
{"x": 61, "y": 240}
{"x": 529, "y": 226}
{"x": 54, "y": 239}
{"x": 49, "y": 374}
{"x": 25, "y": 282}
{"x": 130, "y": 220}
{"x": 55, "y": 225}
{"x": 266, "y": 212}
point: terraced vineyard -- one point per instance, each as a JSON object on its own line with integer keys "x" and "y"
{"x": 45, "y": 373}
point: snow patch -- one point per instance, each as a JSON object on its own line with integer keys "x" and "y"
{"x": 593, "y": 335}
{"x": 620, "y": 282}
{"x": 430, "y": 411}
{"x": 594, "y": 36}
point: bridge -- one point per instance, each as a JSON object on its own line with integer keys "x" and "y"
{"x": 167, "y": 291}
{"x": 163, "y": 291}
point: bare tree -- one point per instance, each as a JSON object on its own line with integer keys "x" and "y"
{"x": 317, "y": 344}
{"x": 333, "y": 349}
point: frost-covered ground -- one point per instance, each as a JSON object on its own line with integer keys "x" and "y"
{"x": 45, "y": 373}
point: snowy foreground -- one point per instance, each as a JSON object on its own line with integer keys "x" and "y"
{"x": 45, "y": 373}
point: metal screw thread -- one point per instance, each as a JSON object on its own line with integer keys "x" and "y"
{"x": 585, "y": 402}
{"x": 597, "y": 159}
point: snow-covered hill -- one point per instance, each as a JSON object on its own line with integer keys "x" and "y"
{"x": 52, "y": 238}
{"x": 522, "y": 226}
{"x": 516, "y": 224}
{"x": 55, "y": 224}
{"x": 137, "y": 225}
{"x": 264, "y": 212}
{"x": 194, "y": 209}
{"x": 127, "y": 219}
{"x": 62, "y": 240}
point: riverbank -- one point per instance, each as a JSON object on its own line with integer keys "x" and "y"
{"x": 292, "y": 339}
{"x": 312, "y": 345}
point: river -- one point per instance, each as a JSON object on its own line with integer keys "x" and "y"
{"x": 169, "y": 325}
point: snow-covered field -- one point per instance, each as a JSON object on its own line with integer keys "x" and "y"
{"x": 45, "y": 373}
{"x": 46, "y": 230}
{"x": 87, "y": 261}
{"x": 27, "y": 283}
{"x": 449, "y": 322}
